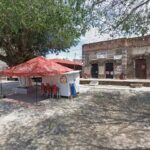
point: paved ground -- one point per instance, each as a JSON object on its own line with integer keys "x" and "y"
{"x": 99, "y": 119}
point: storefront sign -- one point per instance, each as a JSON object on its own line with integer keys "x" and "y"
{"x": 117, "y": 57}
{"x": 110, "y": 54}
{"x": 102, "y": 54}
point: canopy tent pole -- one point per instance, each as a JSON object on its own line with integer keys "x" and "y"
{"x": 36, "y": 90}
{"x": 1, "y": 87}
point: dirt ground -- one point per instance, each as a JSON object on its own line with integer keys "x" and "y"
{"x": 95, "y": 120}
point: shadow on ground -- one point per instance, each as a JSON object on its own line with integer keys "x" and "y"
{"x": 8, "y": 91}
{"x": 105, "y": 121}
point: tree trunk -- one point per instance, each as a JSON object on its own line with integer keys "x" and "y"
{"x": 16, "y": 49}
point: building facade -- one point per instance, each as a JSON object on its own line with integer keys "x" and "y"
{"x": 118, "y": 58}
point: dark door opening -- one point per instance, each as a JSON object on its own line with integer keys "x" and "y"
{"x": 140, "y": 68}
{"x": 94, "y": 71}
{"x": 109, "y": 68}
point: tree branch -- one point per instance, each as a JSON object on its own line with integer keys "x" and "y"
{"x": 98, "y": 2}
{"x": 135, "y": 8}
{"x": 131, "y": 12}
{"x": 2, "y": 58}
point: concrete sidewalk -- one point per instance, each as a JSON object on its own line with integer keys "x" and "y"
{"x": 86, "y": 88}
{"x": 126, "y": 82}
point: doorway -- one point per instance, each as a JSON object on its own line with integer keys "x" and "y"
{"x": 94, "y": 70}
{"x": 109, "y": 69}
{"x": 140, "y": 68}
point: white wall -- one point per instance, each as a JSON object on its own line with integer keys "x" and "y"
{"x": 64, "y": 88}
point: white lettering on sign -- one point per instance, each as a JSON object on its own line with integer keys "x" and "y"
{"x": 102, "y": 54}
{"x": 117, "y": 57}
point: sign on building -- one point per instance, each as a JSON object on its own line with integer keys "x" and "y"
{"x": 102, "y": 54}
{"x": 117, "y": 57}
{"x": 110, "y": 54}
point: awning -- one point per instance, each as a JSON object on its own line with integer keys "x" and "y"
{"x": 38, "y": 66}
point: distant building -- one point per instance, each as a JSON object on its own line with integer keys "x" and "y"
{"x": 76, "y": 65}
{"x": 118, "y": 58}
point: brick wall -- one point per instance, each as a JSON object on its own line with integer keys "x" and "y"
{"x": 129, "y": 49}
{"x": 117, "y": 43}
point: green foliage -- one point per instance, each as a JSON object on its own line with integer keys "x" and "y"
{"x": 122, "y": 17}
{"x": 29, "y": 28}
{"x": 33, "y": 27}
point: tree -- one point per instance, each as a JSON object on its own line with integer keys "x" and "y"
{"x": 31, "y": 28}
{"x": 121, "y": 17}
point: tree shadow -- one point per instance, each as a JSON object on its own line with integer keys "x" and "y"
{"x": 94, "y": 125}
{"x": 105, "y": 122}
{"x": 8, "y": 90}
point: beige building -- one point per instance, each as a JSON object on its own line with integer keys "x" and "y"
{"x": 118, "y": 58}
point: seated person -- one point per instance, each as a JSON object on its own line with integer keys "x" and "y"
{"x": 55, "y": 91}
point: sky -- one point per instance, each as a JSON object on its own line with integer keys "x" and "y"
{"x": 76, "y": 52}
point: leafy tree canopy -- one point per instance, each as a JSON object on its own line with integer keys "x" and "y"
{"x": 121, "y": 17}
{"x": 29, "y": 28}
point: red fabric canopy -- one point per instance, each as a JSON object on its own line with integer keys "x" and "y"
{"x": 38, "y": 66}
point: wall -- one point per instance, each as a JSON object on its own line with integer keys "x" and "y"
{"x": 138, "y": 53}
{"x": 127, "y": 49}
{"x": 101, "y": 58}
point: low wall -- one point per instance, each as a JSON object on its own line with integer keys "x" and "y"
{"x": 145, "y": 83}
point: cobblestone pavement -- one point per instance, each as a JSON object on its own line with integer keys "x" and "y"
{"x": 97, "y": 120}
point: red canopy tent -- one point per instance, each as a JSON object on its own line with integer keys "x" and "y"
{"x": 38, "y": 66}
